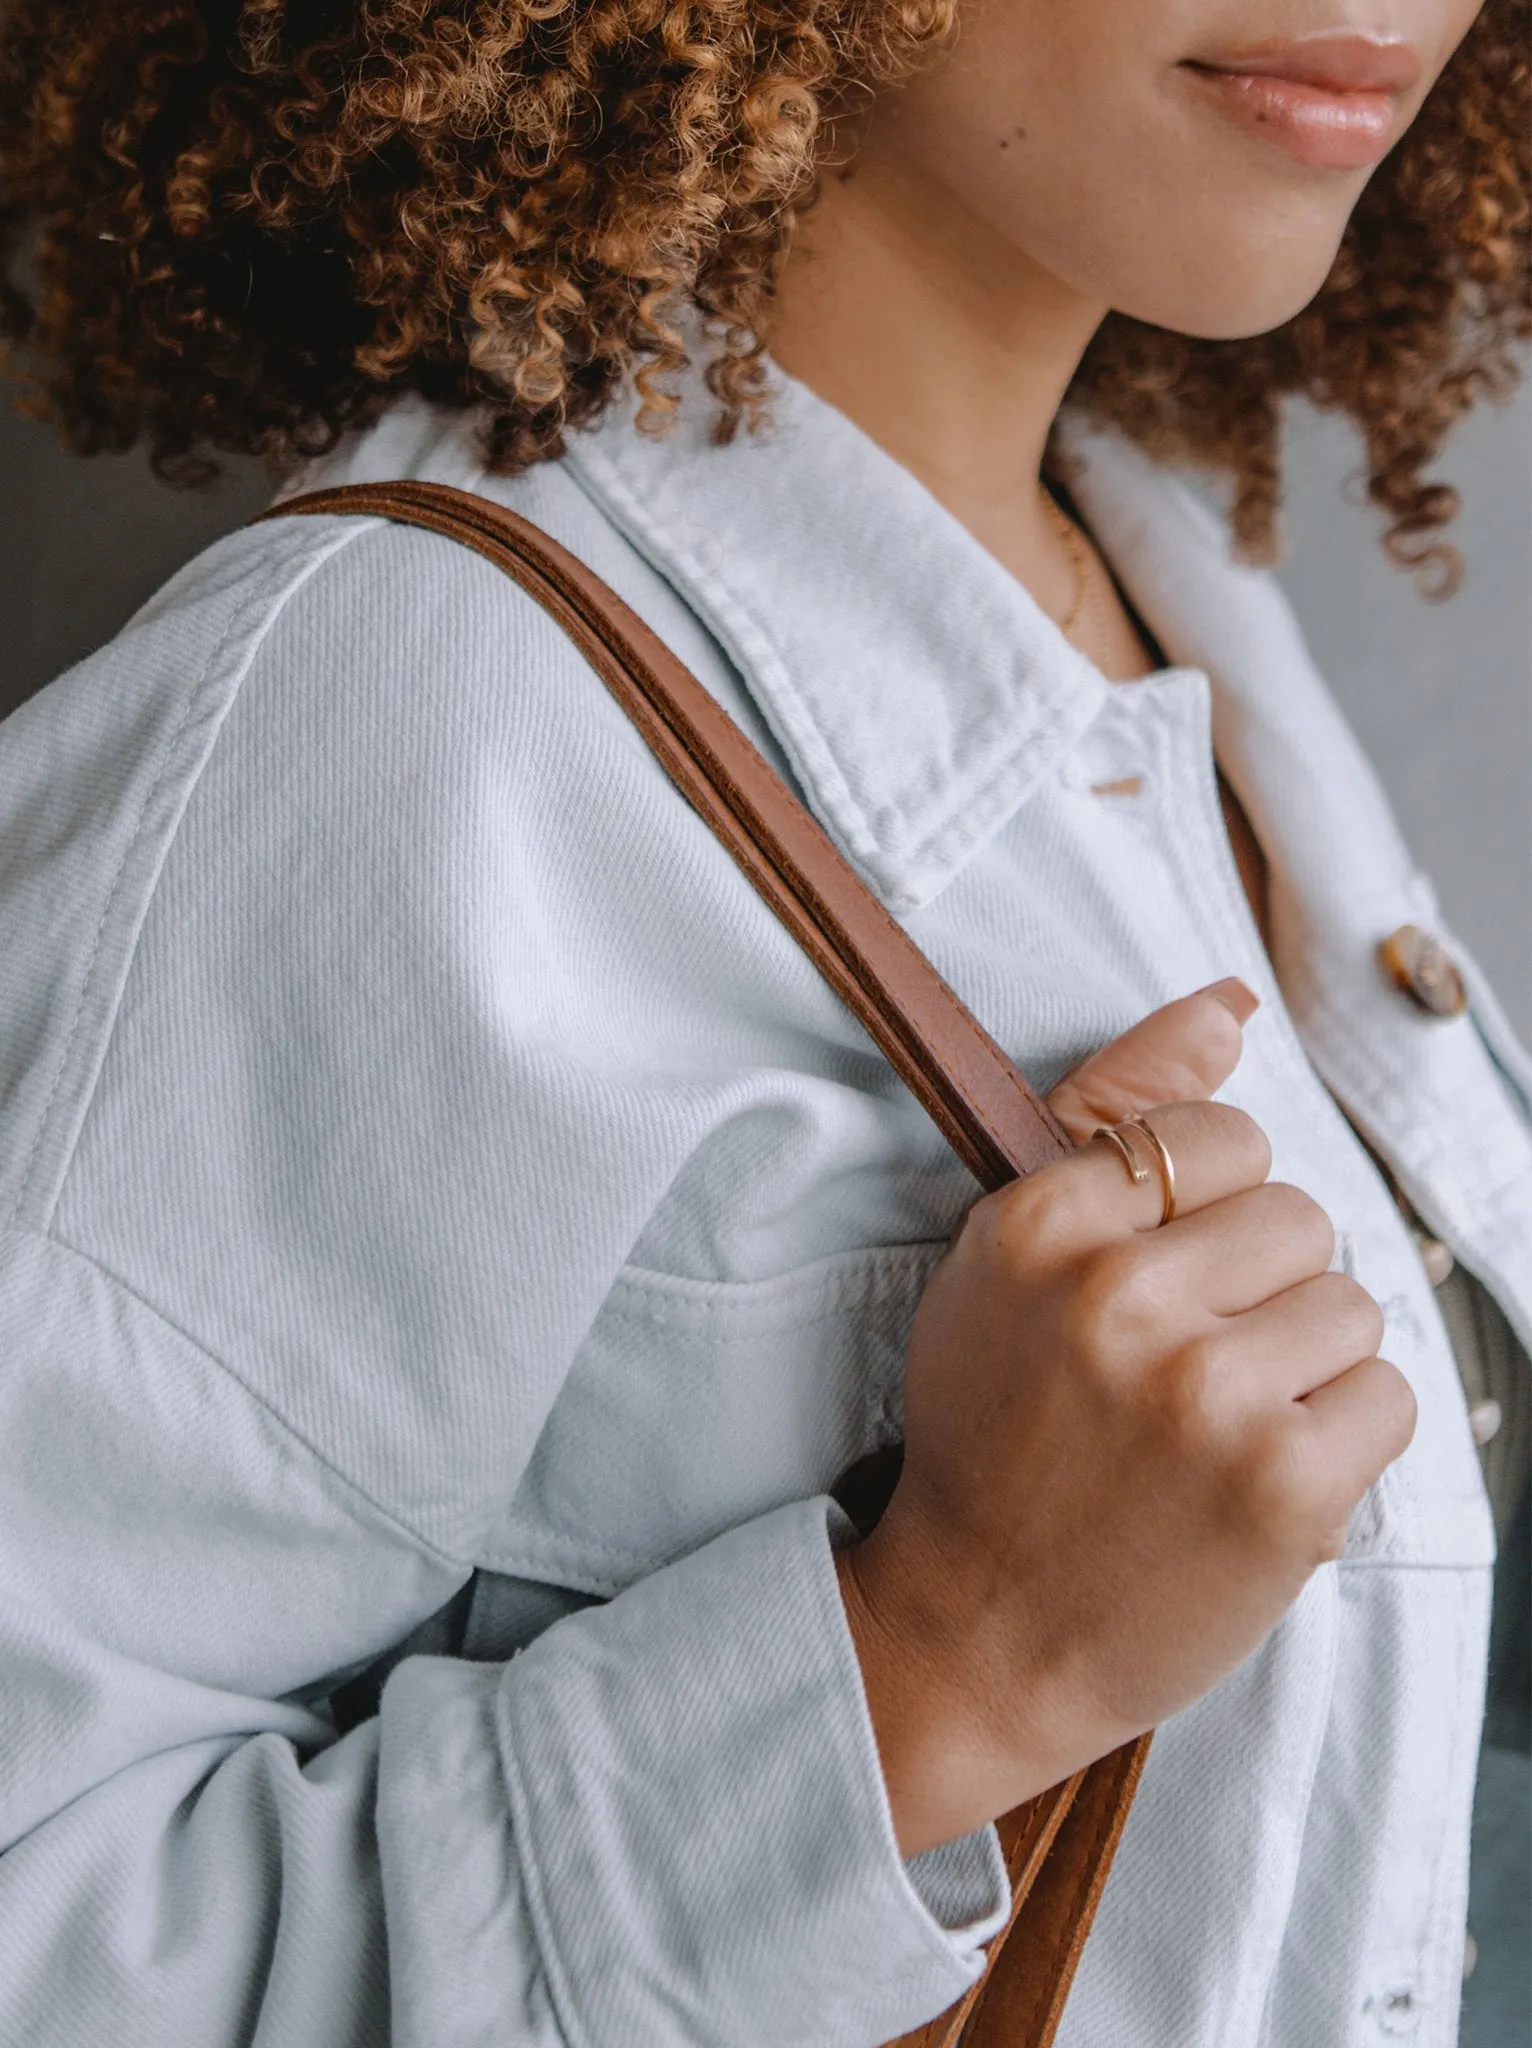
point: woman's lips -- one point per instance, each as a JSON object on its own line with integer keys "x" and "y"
{"x": 1329, "y": 101}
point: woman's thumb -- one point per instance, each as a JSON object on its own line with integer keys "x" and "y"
{"x": 1182, "y": 1053}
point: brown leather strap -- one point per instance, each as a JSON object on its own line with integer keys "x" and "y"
{"x": 1057, "y": 1847}
{"x": 994, "y": 1121}
{"x": 1021, "y": 1995}
{"x": 1027, "y": 1839}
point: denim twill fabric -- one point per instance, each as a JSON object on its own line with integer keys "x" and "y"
{"x": 421, "y": 1153}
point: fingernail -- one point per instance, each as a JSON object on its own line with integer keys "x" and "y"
{"x": 1237, "y": 997}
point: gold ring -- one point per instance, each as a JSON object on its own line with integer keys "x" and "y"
{"x": 1117, "y": 1135}
{"x": 1166, "y": 1164}
{"x": 1138, "y": 1173}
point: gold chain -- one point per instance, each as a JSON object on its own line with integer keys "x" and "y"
{"x": 1079, "y": 559}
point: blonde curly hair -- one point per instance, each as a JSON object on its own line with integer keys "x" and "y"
{"x": 243, "y": 226}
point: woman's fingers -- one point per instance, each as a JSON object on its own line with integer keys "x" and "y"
{"x": 1181, "y": 1053}
{"x": 1090, "y": 1198}
{"x": 1248, "y": 1249}
{"x": 1293, "y": 1344}
{"x": 1357, "y": 1424}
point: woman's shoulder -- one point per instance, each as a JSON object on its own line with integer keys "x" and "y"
{"x": 332, "y": 894}
{"x": 326, "y": 740}
{"x": 314, "y": 668}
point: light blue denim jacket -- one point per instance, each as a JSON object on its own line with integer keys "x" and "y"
{"x": 422, "y": 1154}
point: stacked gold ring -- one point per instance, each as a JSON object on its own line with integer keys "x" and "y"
{"x": 1138, "y": 1172}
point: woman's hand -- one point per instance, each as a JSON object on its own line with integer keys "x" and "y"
{"x": 1127, "y": 1447}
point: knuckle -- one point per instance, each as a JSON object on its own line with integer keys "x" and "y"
{"x": 1357, "y": 1318}
{"x": 1247, "y": 1146}
{"x": 1385, "y": 1417}
{"x": 1189, "y": 1383}
{"x": 1229, "y": 1140}
{"x": 1277, "y": 1486}
{"x": 1398, "y": 1410}
{"x": 1090, "y": 1303}
{"x": 1111, "y": 1299}
{"x": 1345, "y": 1323}
{"x": 1305, "y": 1225}
{"x": 1032, "y": 1220}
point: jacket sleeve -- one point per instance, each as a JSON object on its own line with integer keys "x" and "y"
{"x": 301, "y": 1128}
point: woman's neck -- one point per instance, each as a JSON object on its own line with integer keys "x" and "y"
{"x": 955, "y": 357}
{"x": 946, "y": 346}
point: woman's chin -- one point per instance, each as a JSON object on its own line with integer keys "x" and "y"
{"x": 1237, "y": 303}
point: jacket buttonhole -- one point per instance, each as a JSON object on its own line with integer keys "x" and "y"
{"x": 1124, "y": 785}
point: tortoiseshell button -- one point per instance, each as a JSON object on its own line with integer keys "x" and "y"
{"x": 1420, "y": 964}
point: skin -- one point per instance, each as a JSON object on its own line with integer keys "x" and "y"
{"x": 1128, "y": 1447}
{"x": 980, "y": 201}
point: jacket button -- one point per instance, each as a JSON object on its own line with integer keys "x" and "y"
{"x": 1421, "y": 966}
{"x": 1436, "y": 1257}
{"x": 1484, "y": 1419}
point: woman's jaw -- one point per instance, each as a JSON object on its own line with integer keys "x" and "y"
{"x": 1190, "y": 163}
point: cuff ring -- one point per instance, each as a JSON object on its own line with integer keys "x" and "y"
{"x": 1138, "y": 1172}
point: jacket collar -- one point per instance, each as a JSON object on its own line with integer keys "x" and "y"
{"x": 917, "y": 691}
{"x": 914, "y": 686}
{"x": 1277, "y": 732}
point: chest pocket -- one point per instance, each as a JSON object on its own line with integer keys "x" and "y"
{"x": 694, "y": 1405}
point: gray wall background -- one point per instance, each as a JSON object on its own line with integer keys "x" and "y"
{"x": 1442, "y": 694}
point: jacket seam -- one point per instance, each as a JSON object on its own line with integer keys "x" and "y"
{"x": 267, "y": 1407}
{"x": 109, "y": 900}
{"x": 242, "y": 614}
{"x": 1433, "y": 1920}
{"x": 868, "y": 1292}
{"x": 591, "y": 1567}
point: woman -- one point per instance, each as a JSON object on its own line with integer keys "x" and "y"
{"x": 448, "y": 1215}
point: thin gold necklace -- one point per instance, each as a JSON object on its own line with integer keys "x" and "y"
{"x": 1079, "y": 560}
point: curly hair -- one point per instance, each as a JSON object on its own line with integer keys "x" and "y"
{"x": 243, "y": 226}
